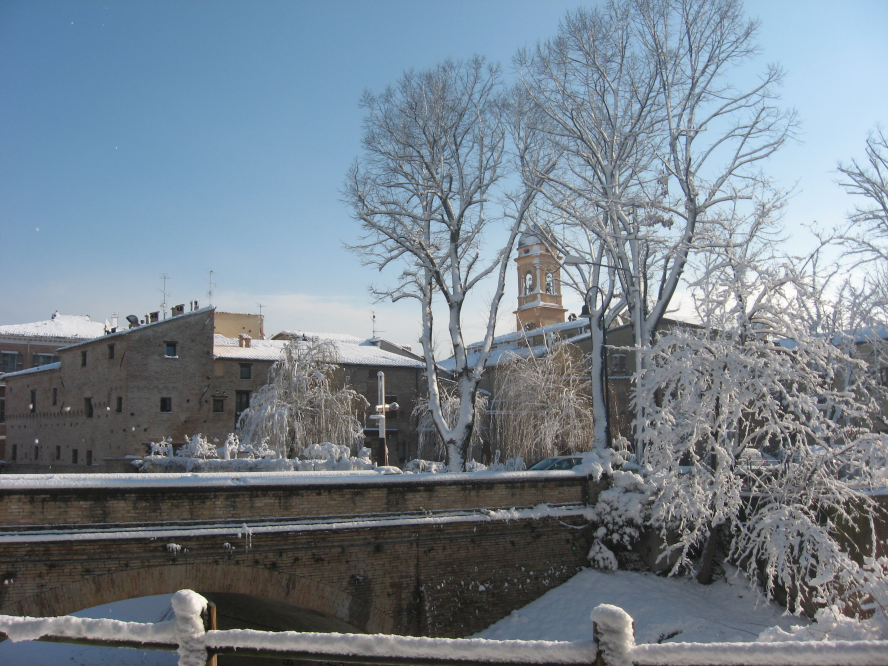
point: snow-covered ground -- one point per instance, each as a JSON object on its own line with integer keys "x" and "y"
{"x": 667, "y": 609}
{"x": 664, "y": 609}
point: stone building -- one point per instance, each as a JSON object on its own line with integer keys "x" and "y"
{"x": 26, "y": 346}
{"x": 106, "y": 399}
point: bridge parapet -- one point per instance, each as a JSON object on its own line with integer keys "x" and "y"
{"x": 67, "y": 500}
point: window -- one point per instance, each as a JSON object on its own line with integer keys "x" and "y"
{"x": 618, "y": 363}
{"x": 88, "y": 407}
{"x": 38, "y": 360}
{"x": 241, "y": 402}
{"x": 119, "y": 404}
{"x": 74, "y": 456}
{"x": 33, "y": 405}
{"x": 15, "y": 451}
{"x": 55, "y": 397}
{"x": 170, "y": 350}
{"x": 89, "y": 457}
{"x": 246, "y": 370}
{"x": 218, "y": 404}
{"x": 83, "y": 359}
{"x": 2, "y": 410}
{"x": 58, "y": 452}
{"x": 166, "y": 404}
{"x": 8, "y": 361}
{"x": 36, "y": 453}
{"x": 110, "y": 351}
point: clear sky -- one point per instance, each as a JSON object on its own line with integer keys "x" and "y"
{"x": 140, "y": 138}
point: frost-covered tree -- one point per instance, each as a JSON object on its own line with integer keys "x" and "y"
{"x": 304, "y": 402}
{"x": 656, "y": 142}
{"x": 755, "y": 378}
{"x": 448, "y": 156}
{"x": 866, "y": 237}
{"x": 542, "y": 406}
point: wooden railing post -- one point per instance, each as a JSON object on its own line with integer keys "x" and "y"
{"x": 211, "y": 626}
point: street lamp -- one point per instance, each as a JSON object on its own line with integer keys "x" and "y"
{"x": 381, "y": 408}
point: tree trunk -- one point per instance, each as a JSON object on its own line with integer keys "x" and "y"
{"x": 704, "y": 576}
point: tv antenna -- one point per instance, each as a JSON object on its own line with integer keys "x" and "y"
{"x": 260, "y": 308}
{"x": 163, "y": 306}
{"x": 210, "y": 290}
{"x": 374, "y": 324}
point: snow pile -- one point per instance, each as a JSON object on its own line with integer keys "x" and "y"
{"x": 665, "y": 610}
{"x": 418, "y": 466}
{"x": 333, "y": 457}
{"x": 830, "y": 624}
{"x": 599, "y": 462}
{"x": 198, "y": 455}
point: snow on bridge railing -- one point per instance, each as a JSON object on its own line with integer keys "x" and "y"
{"x": 614, "y": 644}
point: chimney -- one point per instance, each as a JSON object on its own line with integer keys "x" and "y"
{"x": 178, "y": 309}
{"x": 114, "y": 321}
{"x": 154, "y": 316}
{"x": 244, "y": 340}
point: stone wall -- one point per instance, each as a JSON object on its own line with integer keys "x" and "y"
{"x": 438, "y": 580}
{"x": 83, "y": 506}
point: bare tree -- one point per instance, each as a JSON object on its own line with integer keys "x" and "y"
{"x": 438, "y": 148}
{"x": 657, "y": 142}
{"x": 542, "y": 405}
{"x": 867, "y": 234}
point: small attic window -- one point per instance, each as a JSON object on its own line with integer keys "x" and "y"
{"x": 170, "y": 350}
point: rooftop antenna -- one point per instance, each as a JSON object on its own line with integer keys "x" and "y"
{"x": 260, "y": 308}
{"x": 163, "y": 306}
{"x": 210, "y": 290}
{"x": 374, "y": 324}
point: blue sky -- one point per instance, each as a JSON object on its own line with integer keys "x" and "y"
{"x": 140, "y": 138}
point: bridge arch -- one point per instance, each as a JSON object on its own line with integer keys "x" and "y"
{"x": 229, "y": 579}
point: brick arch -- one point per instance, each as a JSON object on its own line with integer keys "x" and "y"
{"x": 132, "y": 583}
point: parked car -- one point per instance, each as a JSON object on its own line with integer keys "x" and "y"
{"x": 557, "y": 463}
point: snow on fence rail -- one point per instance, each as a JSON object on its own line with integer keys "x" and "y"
{"x": 614, "y": 643}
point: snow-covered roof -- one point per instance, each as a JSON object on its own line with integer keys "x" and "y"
{"x": 351, "y": 350}
{"x": 127, "y": 331}
{"x": 333, "y": 337}
{"x": 59, "y": 327}
{"x": 30, "y": 371}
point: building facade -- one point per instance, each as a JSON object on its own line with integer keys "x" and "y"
{"x": 27, "y": 346}
{"x": 103, "y": 402}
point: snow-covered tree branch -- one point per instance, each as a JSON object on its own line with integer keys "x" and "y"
{"x": 439, "y": 148}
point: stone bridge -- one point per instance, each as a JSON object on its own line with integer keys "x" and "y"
{"x": 441, "y": 555}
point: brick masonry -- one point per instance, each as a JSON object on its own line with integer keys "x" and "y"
{"x": 435, "y": 579}
{"x": 148, "y": 505}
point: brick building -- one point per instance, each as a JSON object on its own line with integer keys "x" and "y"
{"x": 26, "y": 346}
{"x": 107, "y": 398}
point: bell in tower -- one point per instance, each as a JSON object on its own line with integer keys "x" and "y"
{"x": 539, "y": 284}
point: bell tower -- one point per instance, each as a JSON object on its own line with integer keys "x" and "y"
{"x": 539, "y": 284}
